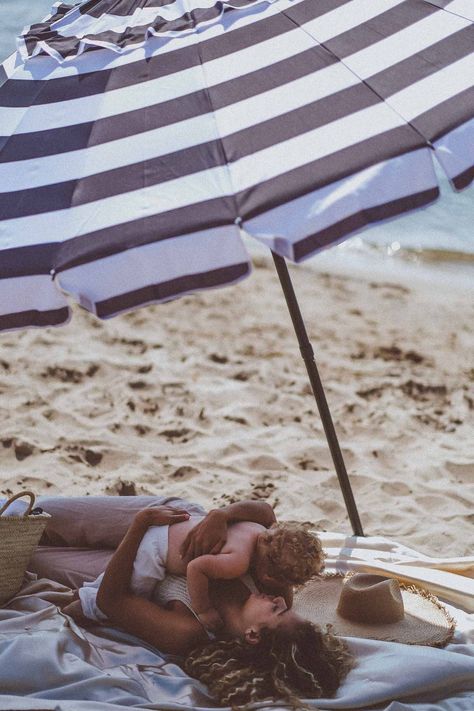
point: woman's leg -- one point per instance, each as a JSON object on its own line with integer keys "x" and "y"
{"x": 98, "y": 521}
{"x": 69, "y": 566}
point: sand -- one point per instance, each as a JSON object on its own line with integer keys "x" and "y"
{"x": 207, "y": 398}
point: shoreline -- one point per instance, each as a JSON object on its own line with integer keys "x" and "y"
{"x": 357, "y": 257}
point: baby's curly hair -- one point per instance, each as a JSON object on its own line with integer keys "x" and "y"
{"x": 295, "y": 554}
{"x": 287, "y": 664}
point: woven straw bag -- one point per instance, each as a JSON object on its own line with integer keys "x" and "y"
{"x": 19, "y": 536}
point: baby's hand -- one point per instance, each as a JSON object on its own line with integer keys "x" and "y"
{"x": 211, "y": 619}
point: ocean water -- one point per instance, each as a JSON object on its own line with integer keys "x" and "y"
{"x": 441, "y": 233}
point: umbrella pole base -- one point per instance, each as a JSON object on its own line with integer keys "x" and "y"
{"x": 319, "y": 394}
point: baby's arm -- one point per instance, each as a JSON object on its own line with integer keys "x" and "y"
{"x": 210, "y": 567}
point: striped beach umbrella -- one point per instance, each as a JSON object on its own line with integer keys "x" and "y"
{"x": 139, "y": 138}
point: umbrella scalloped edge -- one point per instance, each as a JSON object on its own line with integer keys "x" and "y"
{"x": 61, "y": 34}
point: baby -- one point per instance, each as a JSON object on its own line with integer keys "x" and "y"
{"x": 277, "y": 558}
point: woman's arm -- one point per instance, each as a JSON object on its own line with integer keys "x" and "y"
{"x": 210, "y": 535}
{"x": 249, "y": 510}
{"x": 170, "y": 631}
{"x": 213, "y": 567}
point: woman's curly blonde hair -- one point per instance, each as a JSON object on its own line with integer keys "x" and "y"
{"x": 296, "y": 555}
{"x": 287, "y": 664}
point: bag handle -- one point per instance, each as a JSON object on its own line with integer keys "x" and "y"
{"x": 17, "y": 496}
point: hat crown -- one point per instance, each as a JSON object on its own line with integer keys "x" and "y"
{"x": 371, "y": 599}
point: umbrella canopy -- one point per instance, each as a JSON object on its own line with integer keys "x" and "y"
{"x": 138, "y": 138}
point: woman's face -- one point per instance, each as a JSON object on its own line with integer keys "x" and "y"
{"x": 261, "y": 610}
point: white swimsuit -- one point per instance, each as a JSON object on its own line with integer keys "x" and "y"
{"x": 149, "y": 568}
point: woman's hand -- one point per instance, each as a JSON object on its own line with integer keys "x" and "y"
{"x": 207, "y": 537}
{"x": 210, "y": 535}
{"x": 161, "y": 516}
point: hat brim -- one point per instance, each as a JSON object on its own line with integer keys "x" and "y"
{"x": 426, "y": 620}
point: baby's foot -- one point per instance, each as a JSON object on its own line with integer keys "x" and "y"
{"x": 74, "y": 610}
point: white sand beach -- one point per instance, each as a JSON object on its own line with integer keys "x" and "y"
{"x": 207, "y": 398}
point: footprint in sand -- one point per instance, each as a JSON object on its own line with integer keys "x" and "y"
{"x": 371, "y": 393}
{"x": 394, "y": 353}
{"x": 185, "y": 473}
{"x": 331, "y": 507}
{"x": 422, "y": 392}
{"x": 137, "y": 384}
{"x": 396, "y": 488}
{"x": 265, "y": 461}
{"x": 143, "y": 369}
{"x": 391, "y": 287}
{"x": 263, "y": 488}
{"x": 432, "y": 502}
{"x": 121, "y": 488}
{"x": 133, "y": 343}
{"x": 80, "y": 454}
{"x": 463, "y": 472}
{"x": 142, "y": 430}
{"x": 69, "y": 375}
{"x": 22, "y": 449}
{"x": 181, "y": 435}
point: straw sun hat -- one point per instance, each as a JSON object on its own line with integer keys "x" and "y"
{"x": 376, "y": 607}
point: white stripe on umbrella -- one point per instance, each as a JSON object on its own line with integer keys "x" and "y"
{"x": 21, "y": 175}
{"x": 307, "y": 147}
{"x": 207, "y": 184}
{"x": 464, "y": 8}
{"x": 347, "y": 16}
{"x": 364, "y": 64}
{"x": 156, "y": 263}
{"x": 405, "y": 43}
{"x": 113, "y": 211}
{"x": 434, "y": 90}
{"x": 31, "y": 301}
{"x": 30, "y": 292}
{"x": 285, "y": 226}
{"x": 409, "y": 103}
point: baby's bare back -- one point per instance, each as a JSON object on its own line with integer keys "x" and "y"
{"x": 241, "y": 537}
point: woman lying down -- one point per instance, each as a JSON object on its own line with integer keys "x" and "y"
{"x": 222, "y": 599}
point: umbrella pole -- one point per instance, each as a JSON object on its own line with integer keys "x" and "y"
{"x": 317, "y": 387}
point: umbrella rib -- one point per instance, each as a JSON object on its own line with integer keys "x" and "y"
{"x": 426, "y": 141}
